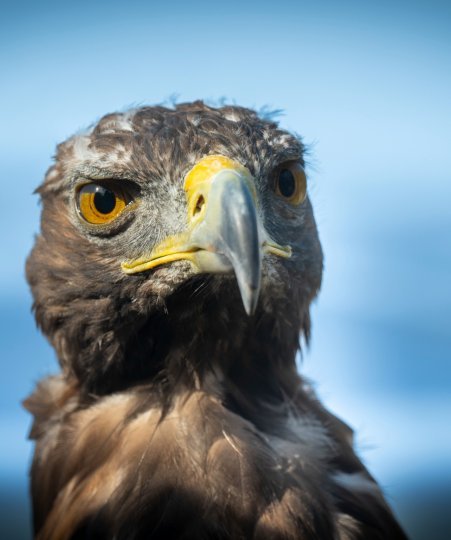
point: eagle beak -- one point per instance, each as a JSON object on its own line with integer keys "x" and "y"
{"x": 224, "y": 231}
{"x": 228, "y": 235}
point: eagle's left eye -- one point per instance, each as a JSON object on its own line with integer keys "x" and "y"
{"x": 291, "y": 182}
{"x": 98, "y": 204}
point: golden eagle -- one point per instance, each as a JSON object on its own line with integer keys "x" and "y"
{"x": 177, "y": 260}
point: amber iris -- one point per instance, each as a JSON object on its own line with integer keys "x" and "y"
{"x": 98, "y": 204}
{"x": 291, "y": 182}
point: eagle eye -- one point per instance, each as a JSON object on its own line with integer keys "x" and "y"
{"x": 291, "y": 182}
{"x": 98, "y": 204}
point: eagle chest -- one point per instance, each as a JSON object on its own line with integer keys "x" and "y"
{"x": 197, "y": 467}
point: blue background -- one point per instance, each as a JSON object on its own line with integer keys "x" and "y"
{"x": 368, "y": 85}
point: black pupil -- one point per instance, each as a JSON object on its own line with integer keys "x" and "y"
{"x": 287, "y": 183}
{"x": 104, "y": 200}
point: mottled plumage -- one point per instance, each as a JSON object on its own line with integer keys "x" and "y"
{"x": 177, "y": 414}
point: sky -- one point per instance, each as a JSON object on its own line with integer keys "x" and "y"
{"x": 367, "y": 86}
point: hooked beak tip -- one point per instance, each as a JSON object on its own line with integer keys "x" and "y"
{"x": 250, "y": 303}
{"x": 249, "y": 296}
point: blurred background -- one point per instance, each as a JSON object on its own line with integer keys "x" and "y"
{"x": 368, "y": 86}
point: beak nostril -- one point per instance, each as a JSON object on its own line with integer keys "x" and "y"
{"x": 199, "y": 205}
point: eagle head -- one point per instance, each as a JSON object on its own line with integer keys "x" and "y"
{"x": 172, "y": 230}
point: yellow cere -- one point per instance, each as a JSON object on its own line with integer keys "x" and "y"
{"x": 198, "y": 181}
{"x": 211, "y": 165}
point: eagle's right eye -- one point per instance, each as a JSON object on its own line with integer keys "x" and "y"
{"x": 98, "y": 204}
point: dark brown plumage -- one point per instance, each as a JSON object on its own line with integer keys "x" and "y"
{"x": 177, "y": 414}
